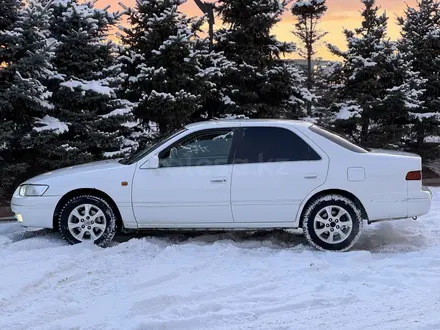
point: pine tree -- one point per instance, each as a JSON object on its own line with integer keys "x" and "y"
{"x": 328, "y": 78}
{"x": 167, "y": 70}
{"x": 9, "y": 11}
{"x": 376, "y": 87}
{"x": 308, "y": 14}
{"x": 420, "y": 44}
{"x": 23, "y": 98}
{"x": 213, "y": 68}
{"x": 93, "y": 118}
{"x": 263, "y": 85}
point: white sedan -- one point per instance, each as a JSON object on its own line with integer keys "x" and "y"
{"x": 231, "y": 175}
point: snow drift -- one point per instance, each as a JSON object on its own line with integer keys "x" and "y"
{"x": 268, "y": 280}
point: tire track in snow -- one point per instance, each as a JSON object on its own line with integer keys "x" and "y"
{"x": 261, "y": 281}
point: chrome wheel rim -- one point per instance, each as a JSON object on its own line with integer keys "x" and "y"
{"x": 333, "y": 224}
{"x": 87, "y": 222}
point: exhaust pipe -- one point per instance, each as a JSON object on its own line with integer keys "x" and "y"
{"x": 414, "y": 218}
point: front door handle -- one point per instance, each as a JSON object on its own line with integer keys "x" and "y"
{"x": 218, "y": 180}
{"x": 310, "y": 176}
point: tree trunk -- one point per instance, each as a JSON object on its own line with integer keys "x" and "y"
{"x": 309, "y": 79}
{"x": 163, "y": 128}
{"x": 364, "y": 132}
{"x": 420, "y": 136}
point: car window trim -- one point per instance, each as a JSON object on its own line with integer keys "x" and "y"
{"x": 336, "y": 138}
{"x": 240, "y": 141}
{"x": 202, "y": 132}
{"x": 143, "y": 154}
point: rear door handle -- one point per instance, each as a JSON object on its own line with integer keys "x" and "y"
{"x": 310, "y": 176}
{"x": 218, "y": 180}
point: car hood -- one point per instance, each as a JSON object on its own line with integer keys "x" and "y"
{"x": 78, "y": 169}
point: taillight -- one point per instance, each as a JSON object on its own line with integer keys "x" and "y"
{"x": 414, "y": 175}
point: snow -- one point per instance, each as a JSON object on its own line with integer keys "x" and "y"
{"x": 365, "y": 61}
{"x": 348, "y": 111}
{"x": 95, "y": 86}
{"x": 432, "y": 139}
{"x": 67, "y": 147}
{"x": 425, "y": 115}
{"x": 110, "y": 154}
{"x": 231, "y": 116}
{"x": 117, "y": 112}
{"x": 227, "y": 100}
{"x": 232, "y": 281}
{"x": 51, "y": 123}
{"x": 307, "y": 3}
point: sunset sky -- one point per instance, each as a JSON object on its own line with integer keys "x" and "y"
{"x": 341, "y": 14}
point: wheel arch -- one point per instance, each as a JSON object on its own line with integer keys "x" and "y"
{"x": 86, "y": 191}
{"x": 341, "y": 192}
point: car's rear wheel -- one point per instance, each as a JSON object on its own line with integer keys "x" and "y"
{"x": 87, "y": 218}
{"x": 332, "y": 222}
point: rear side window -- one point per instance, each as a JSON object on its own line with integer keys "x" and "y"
{"x": 339, "y": 140}
{"x": 272, "y": 144}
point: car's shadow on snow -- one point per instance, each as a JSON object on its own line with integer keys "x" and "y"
{"x": 378, "y": 238}
{"x": 281, "y": 238}
{"x": 383, "y": 237}
{"x": 269, "y": 238}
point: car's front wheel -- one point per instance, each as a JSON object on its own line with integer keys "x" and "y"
{"x": 87, "y": 217}
{"x": 332, "y": 222}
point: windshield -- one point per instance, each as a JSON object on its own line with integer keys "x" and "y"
{"x": 339, "y": 140}
{"x": 142, "y": 153}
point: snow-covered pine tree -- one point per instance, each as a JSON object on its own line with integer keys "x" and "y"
{"x": 9, "y": 10}
{"x": 308, "y": 14}
{"x": 420, "y": 44}
{"x": 9, "y": 15}
{"x": 96, "y": 122}
{"x": 167, "y": 70}
{"x": 327, "y": 79}
{"x": 213, "y": 67}
{"x": 26, "y": 51}
{"x": 263, "y": 85}
{"x": 376, "y": 88}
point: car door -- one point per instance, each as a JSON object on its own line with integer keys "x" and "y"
{"x": 274, "y": 170}
{"x": 192, "y": 184}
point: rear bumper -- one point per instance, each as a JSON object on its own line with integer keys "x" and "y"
{"x": 34, "y": 211}
{"x": 419, "y": 203}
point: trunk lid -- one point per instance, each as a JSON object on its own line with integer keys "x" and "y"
{"x": 394, "y": 152}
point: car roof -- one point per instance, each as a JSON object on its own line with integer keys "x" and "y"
{"x": 237, "y": 122}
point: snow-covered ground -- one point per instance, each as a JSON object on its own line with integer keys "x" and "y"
{"x": 391, "y": 280}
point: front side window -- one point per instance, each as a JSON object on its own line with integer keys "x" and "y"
{"x": 272, "y": 144}
{"x": 142, "y": 153}
{"x": 208, "y": 148}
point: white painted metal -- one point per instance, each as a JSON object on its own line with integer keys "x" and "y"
{"x": 180, "y": 195}
{"x": 274, "y": 191}
{"x": 236, "y": 196}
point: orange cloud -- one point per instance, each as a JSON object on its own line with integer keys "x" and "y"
{"x": 341, "y": 14}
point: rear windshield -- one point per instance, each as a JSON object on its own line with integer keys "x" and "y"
{"x": 339, "y": 140}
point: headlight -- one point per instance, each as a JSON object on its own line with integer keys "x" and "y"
{"x": 32, "y": 189}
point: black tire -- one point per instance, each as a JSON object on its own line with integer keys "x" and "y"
{"x": 109, "y": 214}
{"x": 346, "y": 204}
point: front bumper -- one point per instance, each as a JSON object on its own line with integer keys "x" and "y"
{"x": 34, "y": 211}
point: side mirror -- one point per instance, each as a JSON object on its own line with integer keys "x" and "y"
{"x": 153, "y": 162}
